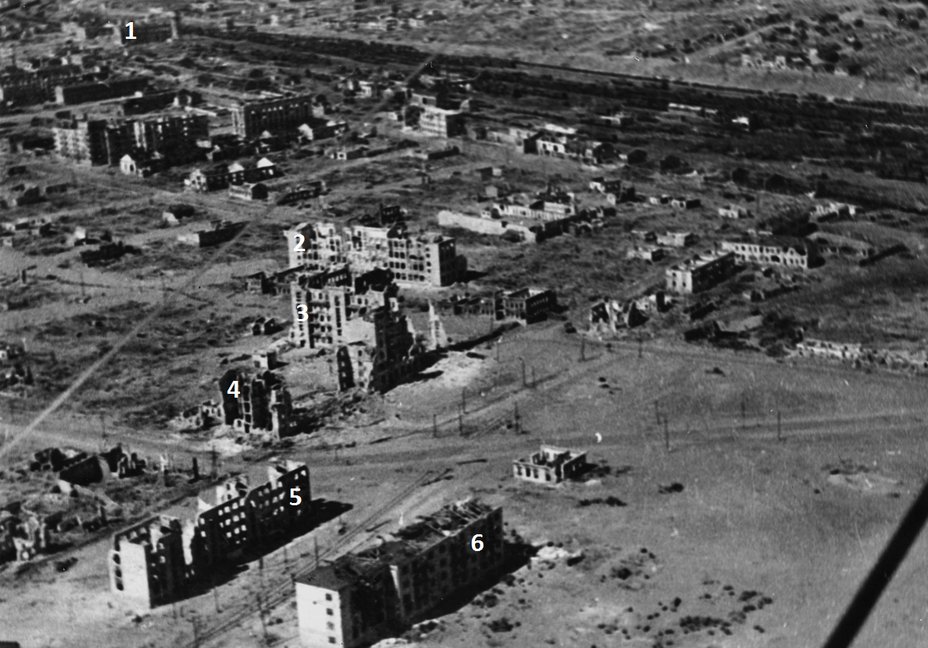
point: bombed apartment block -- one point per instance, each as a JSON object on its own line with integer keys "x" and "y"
{"x": 426, "y": 259}
{"x": 550, "y": 465}
{"x": 384, "y": 352}
{"x": 361, "y": 598}
{"x": 440, "y": 122}
{"x": 147, "y": 563}
{"x": 255, "y": 404}
{"x": 234, "y": 519}
{"x": 315, "y": 246}
{"x": 700, "y": 272}
{"x": 156, "y": 561}
{"x": 275, "y": 115}
{"x": 326, "y": 305}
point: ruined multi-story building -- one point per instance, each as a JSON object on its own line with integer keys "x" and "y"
{"x": 326, "y": 305}
{"x": 156, "y": 561}
{"x": 172, "y": 136}
{"x": 315, "y": 246}
{"x": 527, "y": 305}
{"x": 384, "y": 351}
{"x": 283, "y": 115}
{"x": 259, "y": 403}
{"x": 440, "y": 122}
{"x": 234, "y": 519}
{"x": 550, "y": 465}
{"x": 147, "y": 563}
{"x": 701, "y": 272}
{"x": 425, "y": 259}
{"x": 360, "y": 598}
{"x": 105, "y": 142}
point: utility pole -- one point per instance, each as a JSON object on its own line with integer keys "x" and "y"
{"x": 743, "y": 408}
{"x": 522, "y": 360}
{"x": 196, "y": 631}
{"x": 316, "y": 548}
{"x": 461, "y": 423}
{"x": 464, "y": 399}
{"x": 261, "y": 615}
{"x": 518, "y": 420}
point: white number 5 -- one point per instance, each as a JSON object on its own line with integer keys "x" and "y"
{"x": 475, "y": 543}
{"x": 295, "y": 500}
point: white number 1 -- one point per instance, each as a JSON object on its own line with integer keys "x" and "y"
{"x": 233, "y": 389}
{"x": 131, "y": 26}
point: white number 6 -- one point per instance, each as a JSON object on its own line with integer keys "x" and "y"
{"x": 475, "y": 543}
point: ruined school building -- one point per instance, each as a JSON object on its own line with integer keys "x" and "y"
{"x": 155, "y": 562}
{"x": 422, "y": 260}
{"x": 361, "y": 598}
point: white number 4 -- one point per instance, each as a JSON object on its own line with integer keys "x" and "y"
{"x": 475, "y": 543}
{"x": 300, "y": 239}
{"x": 233, "y": 389}
{"x": 295, "y": 500}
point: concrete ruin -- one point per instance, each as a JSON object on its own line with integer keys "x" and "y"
{"x": 261, "y": 405}
{"x": 156, "y": 561}
{"x": 550, "y": 465}
{"x": 361, "y": 598}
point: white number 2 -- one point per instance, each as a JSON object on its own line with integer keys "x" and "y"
{"x": 131, "y": 26}
{"x": 300, "y": 239}
{"x": 302, "y": 314}
{"x": 295, "y": 500}
{"x": 475, "y": 543}
{"x": 233, "y": 389}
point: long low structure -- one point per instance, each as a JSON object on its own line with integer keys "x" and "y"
{"x": 791, "y": 253}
